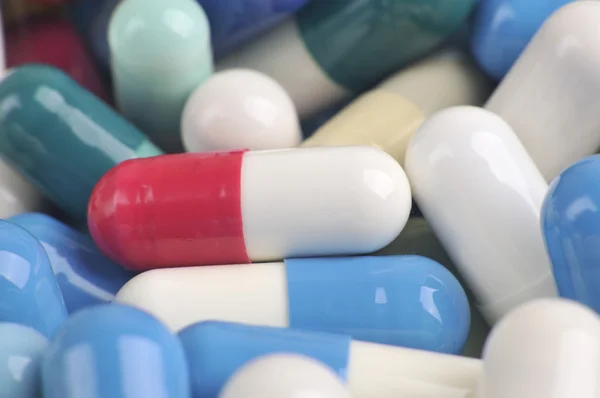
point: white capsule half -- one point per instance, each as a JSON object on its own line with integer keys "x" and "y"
{"x": 547, "y": 348}
{"x": 388, "y": 116}
{"x": 284, "y": 376}
{"x": 239, "y": 109}
{"x": 549, "y": 97}
{"x": 482, "y": 194}
{"x": 16, "y": 194}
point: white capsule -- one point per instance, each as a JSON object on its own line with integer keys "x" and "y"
{"x": 239, "y": 109}
{"x": 482, "y": 194}
{"x": 388, "y": 116}
{"x": 17, "y": 195}
{"x": 547, "y": 348}
{"x": 550, "y": 96}
{"x": 284, "y": 376}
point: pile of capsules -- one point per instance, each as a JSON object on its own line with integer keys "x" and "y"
{"x": 300, "y": 199}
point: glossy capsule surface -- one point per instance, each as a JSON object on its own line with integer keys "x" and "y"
{"x": 85, "y": 276}
{"x": 571, "y": 227}
{"x": 29, "y": 293}
{"x": 61, "y": 137}
{"x": 114, "y": 351}
{"x": 21, "y": 350}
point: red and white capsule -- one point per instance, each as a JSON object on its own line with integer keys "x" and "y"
{"x": 242, "y": 207}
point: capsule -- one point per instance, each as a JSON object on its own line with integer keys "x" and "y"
{"x": 216, "y": 350}
{"x": 235, "y": 22}
{"x": 239, "y": 109}
{"x": 503, "y": 28}
{"x": 546, "y": 348}
{"x": 339, "y": 47}
{"x": 549, "y": 96}
{"x": 28, "y": 288}
{"x": 241, "y": 207}
{"x": 85, "y": 276}
{"x": 388, "y": 116}
{"x": 160, "y": 53}
{"x": 570, "y": 223}
{"x": 408, "y": 301}
{"x": 71, "y": 142}
{"x": 284, "y": 376}
{"x": 21, "y": 349}
{"x": 114, "y": 351}
{"x": 54, "y": 41}
{"x": 418, "y": 238}
{"x": 482, "y": 195}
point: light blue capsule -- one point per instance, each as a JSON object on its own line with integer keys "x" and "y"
{"x": 29, "y": 293}
{"x": 21, "y": 349}
{"x": 85, "y": 276}
{"x": 114, "y": 351}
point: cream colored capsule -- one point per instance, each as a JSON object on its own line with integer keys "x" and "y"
{"x": 387, "y": 116}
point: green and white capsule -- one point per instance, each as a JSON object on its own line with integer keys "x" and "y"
{"x": 335, "y": 48}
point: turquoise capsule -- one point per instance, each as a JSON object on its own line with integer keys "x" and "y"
{"x": 61, "y": 137}
{"x": 160, "y": 53}
{"x": 21, "y": 349}
{"x": 114, "y": 351}
{"x": 29, "y": 293}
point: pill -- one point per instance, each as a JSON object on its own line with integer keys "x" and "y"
{"x": 215, "y": 350}
{"x": 409, "y": 301}
{"x": 332, "y": 49}
{"x": 545, "y": 348}
{"x": 418, "y": 238}
{"x": 114, "y": 351}
{"x": 388, "y": 116}
{"x": 71, "y": 142}
{"x": 21, "y": 349}
{"x": 160, "y": 53}
{"x": 235, "y": 22}
{"x": 54, "y": 41}
{"x": 503, "y": 28}
{"x": 85, "y": 276}
{"x": 239, "y": 109}
{"x": 91, "y": 18}
{"x": 571, "y": 226}
{"x": 482, "y": 195}
{"x": 28, "y": 288}
{"x": 240, "y": 207}
{"x": 548, "y": 97}
{"x": 284, "y": 376}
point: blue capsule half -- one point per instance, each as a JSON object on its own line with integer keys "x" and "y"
{"x": 21, "y": 349}
{"x": 571, "y": 227}
{"x": 408, "y": 301}
{"x": 114, "y": 351}
{"x": 216, "y": 350}
{"x": 85, "y": 276}
{"x": 503, "y": 28}
{"x": 29, "y": 293}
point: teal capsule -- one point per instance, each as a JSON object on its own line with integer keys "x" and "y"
{"x": 21, "y": 349}
{"x": 61, "y": 137}
{"x": 160, "y": 53}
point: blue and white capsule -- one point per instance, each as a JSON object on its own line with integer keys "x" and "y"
{"x": 29, "y": 293}
{"x": 21, "y": 349}
{"x": 216, "y": 350}
{"x": 85, "y": 276}
{"x": 114, "y": 351}
{"x": 408, "y": 301}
